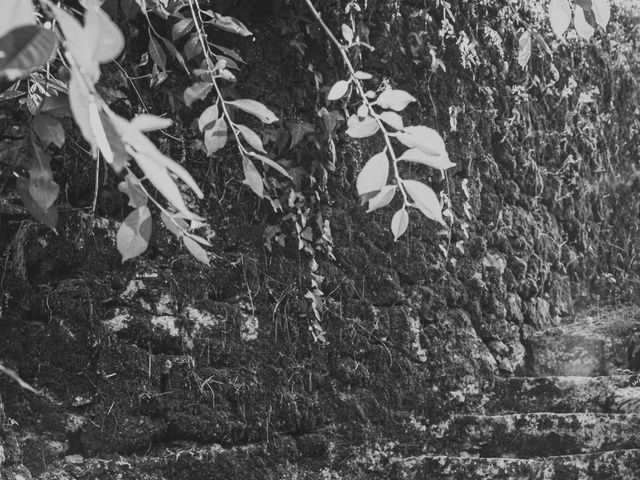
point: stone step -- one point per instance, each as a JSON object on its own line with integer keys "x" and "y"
{"x": 595, "y": 346}
{"x": 559, "y": 394}
{"x": 614, "y": 465}
{"x": 536, "y": 434}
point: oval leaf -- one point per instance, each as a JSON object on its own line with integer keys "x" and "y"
{"x": 251, "y": 137}
{"x": 358, "y": 128}
{"x": 392, "y": 119}
{"x": 252, "y": 177}
{"x": 383, "y": 198}
{"x": 109, "y": 41}
{"x": 602, "y": 11}
{"x": 158, "y": 175}
{"x": 134, "y": 233}
{"x": 360, "y": 75}
{"x": 524, "y": 49}
{"x": 42, "y": 189}
{"x": 347, "y": 33}
{"x": 207, "y": 117}
{"x": 216, "y": 137}
{"x": 149, "y": 123}
{"x": 196, "y": 250}
{"x": 16, "y": 13}
{"x": 425, "y": 199}
{"x": 197, "y": 91}
{"x": 434, "y": 161}
{"x": 256, "y": 109}
{"x": 559, "y": 16}
{"x": 25, "y": 49}
{"x": 399, "y": 223}
{"x": 395, "y": 99}
{"x": 338, "y": 90}
{"x": 374, "y": 174}
{"x": 423, "y": 138}
{"x": 582, "y": 26}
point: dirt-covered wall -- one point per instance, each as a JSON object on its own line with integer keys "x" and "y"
{"x": 165, "y": 352}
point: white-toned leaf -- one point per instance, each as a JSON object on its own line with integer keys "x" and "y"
{"x": 347, "y": 33}
{"x": 197, "y": 91}
{"x": 582, "y": 26}
{"x": 360, "y": 75}
{"x": 524, "y": 48}
{"x": 79, "y": 103}
{"x": 602, "y": 11}
{"x": 158, "y": 175}
{"x": 383, "y": 198}
{"x": 209, "y": 115}
{"x": 149, "y": 123}
{"x": 16, "y": 13}
{"x": 423, "y": 138}
{"x": 174, "y": 224}
{"x": 252, "y": 177}
{"x": 338, "y": 90}
{"x": 80, "y": 43}
{"x": 361, "y": 128}
{"x": 272, "y": 163}
{"x": 251, "y": 137}
{"x": 134, "y": 233}
{"x": 425, "y": 199}
{"x": 196, "y": 250}
{"x": 363, "y": 111}
{"x": 392, "y": 119}
{"x": 136, "y": 141}
{"x": 256, "y": 109}
{"x": 395, "y": 99}
{"x": 109, "y": 41}
{"x": 399, "y": 223}
{"x": 215, "y": 138}
{"x": 131, "y": 187}
{"x": 559, "y": 16}
{"x": 441, "y": 162}
{"x": 99, "y": 134}
{"x": 374, "y": 174}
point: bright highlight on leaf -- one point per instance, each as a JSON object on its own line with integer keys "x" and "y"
{"x": 134, "y": 233}
{"x": 524, "y": 48}
{"x": 358, "y": 128}
{"x": 425, "y": 199}
{"x": 395, "y": 99}
{"x": 559, "y": 16}
{"x": 424, "y": 139}
{"x": 383, "y": 198}
{"x": 441, "y": 162}
{"x": 374, "y": 174}
{"x": 583, "y": 28}
{"x": 256, "y": 109}
{"x": 338, "y": 90}
{"x": 399, "y": 223}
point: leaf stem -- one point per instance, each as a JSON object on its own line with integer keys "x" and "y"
{"x": 361, "y": 92}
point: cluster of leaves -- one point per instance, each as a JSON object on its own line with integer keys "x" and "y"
{"x": 587, "y": 16}
{"x": 82, "y": 46}
{"x": 377, "y": 112}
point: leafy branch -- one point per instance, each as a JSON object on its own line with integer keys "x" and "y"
{"x": 425, "y": 145}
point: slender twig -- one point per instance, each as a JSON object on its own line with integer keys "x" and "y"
{"x": 361, "y": 92}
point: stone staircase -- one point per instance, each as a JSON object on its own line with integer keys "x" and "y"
{"x": 573, "y": 418}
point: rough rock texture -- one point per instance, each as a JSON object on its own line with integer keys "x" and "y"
{"x": 163, "y": 368}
